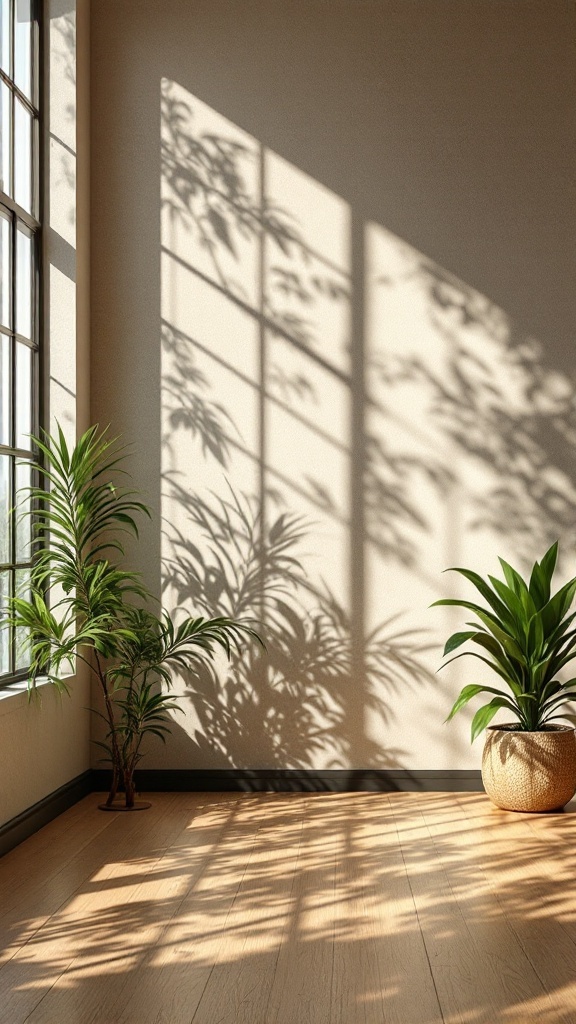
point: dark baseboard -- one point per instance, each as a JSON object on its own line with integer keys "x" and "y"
{"x": 32, "y": 819}
{"x": 298, "y": 780}
{"x": 238, "y": 780}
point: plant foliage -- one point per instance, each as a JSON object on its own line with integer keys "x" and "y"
{"x": 524, "y": 635}
{"x": 83, "y": 604}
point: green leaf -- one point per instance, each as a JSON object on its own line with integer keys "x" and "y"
{"x": 472, "y": 654}
{"x": 511, "y": 601}
{"x": 550, "y": 689}
{"x": 80, "y": 518}
{"x": 526, "y": 634}
{"x": 513, "y": 578}
{"x": 487, "y": 593}
{"x": 509, "y": 643}
{"x": 554, "y": 612}
{"x": 466, "y": 694}
{"x": 483, "y": 614}
{"x": 559, "y": 698}
{"x": 486, "y": 713}
{"x": 535, "y": 637}
{"x": 539, "y": 587}
{"x": 455, "y": 641}
{"x": 548, "y": 564}
{"x": 490, "y": 644}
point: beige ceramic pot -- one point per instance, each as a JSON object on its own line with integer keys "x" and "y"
{"x": 529, "y": 771}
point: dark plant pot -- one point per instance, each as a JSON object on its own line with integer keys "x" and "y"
{"x": 529, "y": 771}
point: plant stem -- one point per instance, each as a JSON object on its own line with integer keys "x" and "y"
{"x": 116, "y": 759}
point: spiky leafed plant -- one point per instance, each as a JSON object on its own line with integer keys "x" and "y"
{"x": 526, "y": 639}
{"x": 83, "y": 604}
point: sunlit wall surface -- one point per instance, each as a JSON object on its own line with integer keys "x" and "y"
{"x": 331, "y": 264}
{"x": 256, "y": 295}
{"x": 279, "y": 419}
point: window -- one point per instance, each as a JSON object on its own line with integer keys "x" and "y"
{"x": 19, "y": 298}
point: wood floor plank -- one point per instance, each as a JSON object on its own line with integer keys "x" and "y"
{"x": 480, "y": 969}
{"x": 44, "y": 853}
{"x": 355, "y": 908}
{"x": 77, "y": 857}
{"x": 24, "y": 911}
{"x": 87, "y": 919}
{"x": 169, "y": 984}
{"x": 381, "y": 969}
{"x": 533, "y": 888}
{"x": 301, "y": 988}
{"x": 239, "y": 987}
{"x": 136, "y": 977}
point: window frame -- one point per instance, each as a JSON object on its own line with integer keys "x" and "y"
{"x": 32, "y": 224}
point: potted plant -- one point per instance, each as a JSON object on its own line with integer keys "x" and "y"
{"x": 524, "y": 635}
{"x": 83, "y": 604}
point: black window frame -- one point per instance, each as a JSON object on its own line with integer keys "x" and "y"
{"x": 31, "y": 223}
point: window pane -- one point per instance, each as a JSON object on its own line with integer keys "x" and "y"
{"x": 23, "y": 46}
{"x": 4, "y": 633}
{"x": 19, "y": 358}
{"x": 23, "y": 521}
{"x": 5, "y": 35}
{"x": 5, "y": 272}
{"x": 22, "y": 589}
{"x": 23, "y": 147}
{"x": 5, "y": 517}
{"x": 5, "y": 140}
{"x": 23, "y": 283}
{"x": 23, "y": 395}
{"x": 4, "y": 389}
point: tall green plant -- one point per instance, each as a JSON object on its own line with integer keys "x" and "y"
{"x": 84, "y": 604}
{"x": 525, "y": 637}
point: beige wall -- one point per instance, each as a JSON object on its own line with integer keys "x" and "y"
{"x": 46, "y": 743}
{"x": 333, "y": 306}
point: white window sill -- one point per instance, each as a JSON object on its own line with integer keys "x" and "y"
{"x": 15, "y": 695}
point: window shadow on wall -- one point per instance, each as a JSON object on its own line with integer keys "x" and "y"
{"x": 340, "y": 415}
{"x": 263, "y": 418}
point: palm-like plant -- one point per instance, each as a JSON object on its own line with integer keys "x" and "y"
{"x": 525, "y": 638}
{"x": 83, "y": 604}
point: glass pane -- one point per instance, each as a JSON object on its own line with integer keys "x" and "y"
{"x": 22, "y": 589}
{"x": 5, "y": 140}
{"x": 4, "y": 389}
{"x": 4, "y": 631}
{"x": 5, "y": 505}
{"x": 23, "y": 162}
{"x": 23, "y": 395}
{"x": 5, "y": 272}
{"x": 23, "y": 283}
{"x": 23, "y": 46}
{"x": 23, "y": 521}
{"x": 5, "y": 47}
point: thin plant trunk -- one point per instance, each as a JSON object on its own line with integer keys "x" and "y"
{"x": 116, "y": 759}
{"x": 113, "y": 786}
{"x": 129, "y": 787}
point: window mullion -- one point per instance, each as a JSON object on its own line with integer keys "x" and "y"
{"x": 21, "y": 223}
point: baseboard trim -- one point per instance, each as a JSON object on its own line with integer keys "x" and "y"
{"x": 238, "y": 780}
{"x": 298, "y": 780}
{"x": 33, "y": 818}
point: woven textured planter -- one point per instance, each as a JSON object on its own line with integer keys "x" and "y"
{"x": 529, "y": 771}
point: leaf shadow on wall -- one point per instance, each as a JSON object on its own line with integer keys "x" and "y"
{"x": 503, "y": 403}
{"x": 490, "y": 407}
{"x": 244, "y": 554}
{"x": 289, "y": 703}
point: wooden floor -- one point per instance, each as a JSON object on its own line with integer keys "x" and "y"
{"x": 292, "y": 909}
